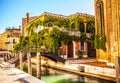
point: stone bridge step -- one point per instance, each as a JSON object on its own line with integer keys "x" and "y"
{"x": 6, "y": 65}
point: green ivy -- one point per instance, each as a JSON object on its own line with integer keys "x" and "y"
{"x": 75, "y": 19}
{"x": 90, "y": 19}
{"x": 63, "y": 23}
{"x": 49, "y": 19}
{"x": 100, "y": 42}
{"x": 83, "y": 37}
{"x": 65, "y": 38}
{"x": 51, "y": 38}
{"x": 75, "y": 38}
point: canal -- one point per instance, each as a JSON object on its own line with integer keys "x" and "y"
{"x": 50, "y": 75}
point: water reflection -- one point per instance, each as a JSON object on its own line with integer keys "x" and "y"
{"x": 50, "y": 75}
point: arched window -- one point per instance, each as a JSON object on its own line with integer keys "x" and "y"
{"x": 102, "y": 17}
{"x": 73, "y": 26}
{"x": 49, "y": 24}
{"x": 89, "y": 28}
{"x": 81, "y": 26}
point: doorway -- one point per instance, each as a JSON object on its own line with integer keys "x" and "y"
{"x": 70, "y": 50}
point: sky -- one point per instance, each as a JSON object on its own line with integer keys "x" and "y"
{"x": 12, "y": 11}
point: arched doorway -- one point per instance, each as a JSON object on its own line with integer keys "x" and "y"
{"x": 91, "y": 50}
{"x": 70, "y": 50}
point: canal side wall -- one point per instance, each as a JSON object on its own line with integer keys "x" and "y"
{"x": 99, "y": 72}
{"x": 111, "y": 72}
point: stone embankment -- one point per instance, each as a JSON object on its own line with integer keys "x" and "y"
{"x": 88, "y": 70}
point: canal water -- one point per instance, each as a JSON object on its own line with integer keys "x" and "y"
{"x": 50, "y": 75}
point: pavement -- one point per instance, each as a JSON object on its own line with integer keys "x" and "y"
{"x": 14, "y": 75}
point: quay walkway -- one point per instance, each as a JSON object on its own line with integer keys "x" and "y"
{"x": 9, "y": 74}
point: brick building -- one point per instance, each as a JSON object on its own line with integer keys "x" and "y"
{"x": 75, "y": 24}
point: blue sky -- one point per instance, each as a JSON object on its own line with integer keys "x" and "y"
{"x": 12, "y": 11}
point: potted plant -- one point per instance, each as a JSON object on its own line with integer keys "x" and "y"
{"x": 84, "y": 54}
{"x": 80, "y": 54}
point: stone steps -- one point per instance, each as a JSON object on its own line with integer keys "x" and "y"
{"x": 6, "y": 65}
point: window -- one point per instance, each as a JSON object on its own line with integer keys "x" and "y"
{"x": 82, "y": 45}
{"x": 73, "y": 26}
{"x": 81, "y": 26}
{"x": 88, "y": 27}
{"x": 13, "y": 40}
{"x": 101, "y": 17}
{"x": 50, "y": 24}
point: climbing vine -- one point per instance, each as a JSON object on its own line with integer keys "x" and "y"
{"x": 60, "y": 22}
{"x": 100, "y": 42}
{"x": 75, "y": 19}
{"x": 51, "y": 37}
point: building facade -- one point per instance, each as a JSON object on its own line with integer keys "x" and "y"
{"x": 10, "y": 38}
{"x": 3, "y": 37}
{"x": 107, "y": 14}
{"x": 76, "y": 24}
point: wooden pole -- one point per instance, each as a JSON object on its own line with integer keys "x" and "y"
{"x": 29, "y": 63}
{"x": 38, "y": 65}
{"x": 21, "y": 60}
{"x": 6, "y": 57}
{"x": 3, "y": 57}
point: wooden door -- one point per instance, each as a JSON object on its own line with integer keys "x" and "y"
{"x": 70, "y": 50}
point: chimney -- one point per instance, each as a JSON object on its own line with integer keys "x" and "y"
{"x": 27, "y": 17}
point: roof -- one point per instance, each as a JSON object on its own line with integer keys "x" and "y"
{"x": 57, "y": 15}
{"x": 83, "y": 14}
{"x": 24, "y": 20}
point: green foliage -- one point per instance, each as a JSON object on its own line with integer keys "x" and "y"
{"x": 63, "y": 23}
{"x": 90, "y": 19}
{"x": 83, "y": 37}
{"x": 54, "y": 36}
{"x": 24, "y": 42}
{"x": 50, "y": 19}
{"x": 65, "y": 38}
{"x": 91, "y": 29}
{"x": 75, "y": 38}
{"x": 96, "y": 43}
{"x": 31, "y": 28}
{"x": 91, "y": 39}
{"x": 100, "y": 42}
{"x": 60, "y": 22}
{"x": 25, "y": 68}
{"x": 76, "y": 20}
{"x": 80, "y": 53}
{"x": 17, "y": 47}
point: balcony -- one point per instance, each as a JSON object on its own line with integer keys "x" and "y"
{"x": 72, "y": 32}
